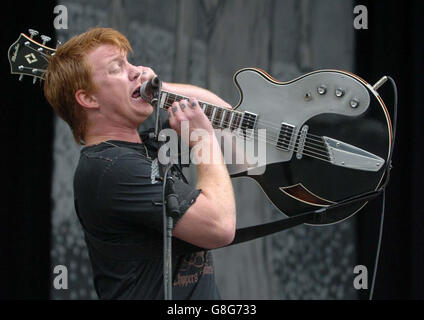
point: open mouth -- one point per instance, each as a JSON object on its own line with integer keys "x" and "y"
{"x": 136, "y": 93}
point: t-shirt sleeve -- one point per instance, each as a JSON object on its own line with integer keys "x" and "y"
{"x": 130, "y": 194}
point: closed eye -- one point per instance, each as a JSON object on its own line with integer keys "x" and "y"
{"x": 117, "y": 66}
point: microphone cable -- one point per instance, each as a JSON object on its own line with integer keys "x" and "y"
{"x": 380, "y": 236}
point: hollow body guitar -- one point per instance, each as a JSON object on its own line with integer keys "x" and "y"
{"x": 327, "y": 133}
{"x": 328, "y": 136}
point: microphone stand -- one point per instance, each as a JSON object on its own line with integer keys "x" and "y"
{"x": 170, "y": 201}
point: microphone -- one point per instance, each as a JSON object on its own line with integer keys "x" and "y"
{"x": 148, "y": 89}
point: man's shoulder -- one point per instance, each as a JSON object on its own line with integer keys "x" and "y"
{"x": 109, "y": 153}
{"x": 117, "y": 159}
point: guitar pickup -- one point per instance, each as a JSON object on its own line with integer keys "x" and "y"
{"x": 285, "y": 138}
{"x": 248, "y": 123}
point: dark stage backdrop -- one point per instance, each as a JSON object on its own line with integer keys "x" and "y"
{"x": 392, "y": 45}
{"x": 26, "y": 163}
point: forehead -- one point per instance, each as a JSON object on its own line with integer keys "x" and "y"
{"x": 102, "y": 55}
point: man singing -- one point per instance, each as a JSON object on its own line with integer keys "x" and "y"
{"x": 91, "y": 85}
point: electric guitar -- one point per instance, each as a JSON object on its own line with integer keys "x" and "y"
{"x": 327, "y": 133}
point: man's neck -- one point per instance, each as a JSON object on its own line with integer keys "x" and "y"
{"x": 92, "y": 138}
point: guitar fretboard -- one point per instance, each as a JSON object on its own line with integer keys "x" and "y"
{"x": 220, "y": 117}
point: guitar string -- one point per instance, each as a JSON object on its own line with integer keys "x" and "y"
{"x": 41, "y": 52}
{"x": 260, "y": 121}
{"x": 306, "y": 148}
{"x": 217, "y": 122}
{"x": 309, "y": 136}
{"x": 322, "y": 150}
{"x": 278, "y": 137}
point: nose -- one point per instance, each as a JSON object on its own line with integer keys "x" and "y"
{"x": 134, "y": 73}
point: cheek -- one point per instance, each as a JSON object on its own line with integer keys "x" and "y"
{"x": 110, "y": 91}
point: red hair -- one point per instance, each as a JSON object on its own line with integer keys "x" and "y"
{"x": 68, "y": 72}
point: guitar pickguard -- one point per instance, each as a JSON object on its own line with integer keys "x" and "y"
{"x": 293, "y": 103}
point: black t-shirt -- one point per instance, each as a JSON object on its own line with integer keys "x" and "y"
{"x": 118, "y": 196}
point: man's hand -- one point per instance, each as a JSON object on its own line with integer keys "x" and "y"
{"x": 211, "y": 220}
{"x": 146, "y": 74}
{"x": 190, "y": 111}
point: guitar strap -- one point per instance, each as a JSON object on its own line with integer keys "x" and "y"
{"x": 151, "y": 249}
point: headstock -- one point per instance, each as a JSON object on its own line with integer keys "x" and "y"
{"x": 29, "y": 57}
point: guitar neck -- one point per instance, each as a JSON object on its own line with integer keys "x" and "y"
{"x": 220, "y": 117}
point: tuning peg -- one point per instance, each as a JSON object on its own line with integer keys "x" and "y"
{"x": 33, "y": 32}
{"x": 45, "y": 38}
{"x": 58, "y": 43}
{"x": 34, "y": 80}
{"x": 21, "y": 77}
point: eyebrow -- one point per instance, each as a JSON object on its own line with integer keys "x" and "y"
{"x": 116, "y": 58}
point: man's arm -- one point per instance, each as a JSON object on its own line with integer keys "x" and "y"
{"x": 210, "y": 222}
{"x": 195, "y": 92}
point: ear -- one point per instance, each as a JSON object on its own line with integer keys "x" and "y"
{"x": 86, "y": 100}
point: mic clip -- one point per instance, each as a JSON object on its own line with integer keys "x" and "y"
{"x": 172, "y": 199}
{"x": 149, "y": 90}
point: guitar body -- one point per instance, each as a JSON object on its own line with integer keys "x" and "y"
{"x": 346, "y": 146}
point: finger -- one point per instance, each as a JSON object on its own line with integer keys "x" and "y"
{"x": 194, "y": 105}
{"x": 177, "y": 113}
{"x": 171, "y": 117}
{"x": 183, "y": 104}
{"x": 175, "y": 109}
{"x": 174, "y": 120}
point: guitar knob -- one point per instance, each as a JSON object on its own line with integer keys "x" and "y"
{"x": 307, "y": 96}
{"x": 33, "y": 32}
{"x": 322, "y": 90}
{"x": 45, "y": 38}
{"x": 354, "y": 103}
{"x": 339, "y": 92}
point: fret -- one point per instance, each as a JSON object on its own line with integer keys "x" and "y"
{"x": 208, "y": 111}
{"x": 226, "y": 123}
{"x": 224, "y": 112}
{"x": 213, "y": 115}
{"x": 236, "y": 121}
{"x": 170, "y": 99}
{"x": 231, "y": 120}
{"x": 218, "y": 116}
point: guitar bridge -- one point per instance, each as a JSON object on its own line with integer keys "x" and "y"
{"x": 302, "y": 141}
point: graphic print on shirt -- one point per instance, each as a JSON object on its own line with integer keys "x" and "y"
{"x": 193, "y": 268}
